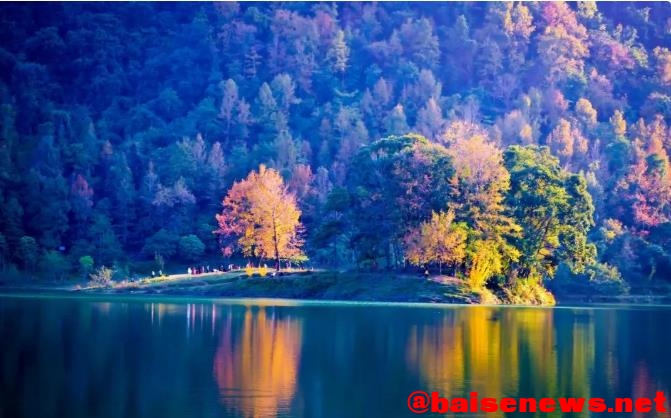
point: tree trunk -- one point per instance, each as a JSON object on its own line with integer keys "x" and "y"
{"x": 277, "y": 249}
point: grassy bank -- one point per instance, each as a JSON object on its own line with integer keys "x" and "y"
{"x": 331, "y": 285}
{"x": 317, "y": 285}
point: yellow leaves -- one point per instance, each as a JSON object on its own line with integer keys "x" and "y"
{"x": 522, "y": 21}
{"x": 567, "y": 141}
{"x": 586, "y": 112}
{"x": 261, "y": 357}
{"x": 483, "y": 180}
{"x": 478, "y": 161}
{"x": 486, "y": 262}
{"x": 515, "y": 127}
{"x": 561, "y": 139}
{"x": 462, "y": 129}
{"x": 618, "y": 123}
{"x": 263, "y": 215}
{"x": 563, "y": 45}
{"x": 526, "y": 134}
{"x": 663, "y": 56}
{"x": 515, "y": 19}
{"x": 263, "y": 271}
{"x": 438, "y": 240}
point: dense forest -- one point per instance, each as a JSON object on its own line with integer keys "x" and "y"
{"x": 505, "y": 143}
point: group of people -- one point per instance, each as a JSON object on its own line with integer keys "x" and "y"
{"x": 200, "y": 270}
{"x": 193, "y": 271}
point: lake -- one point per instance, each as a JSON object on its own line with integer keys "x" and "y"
{"x": 97, "y": 357}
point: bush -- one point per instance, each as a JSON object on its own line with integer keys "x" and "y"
{"x": 102, "y": 276}
{"x": 191, "y": 248}
{"x": 528, "y": 292}
{"x": 597, "y": 279}
{"x": 606, "y": 279}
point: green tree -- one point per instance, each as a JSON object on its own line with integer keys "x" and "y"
{"x": 191, "y": 248}
{"x": 555, "y": 212}
{"x": 85, "y": 265}
{"x": 162, "y": 242}
{"x": 394, "y": 184}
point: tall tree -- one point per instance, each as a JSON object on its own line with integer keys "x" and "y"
{"x": 229, "y": 102}
{"x": 393, "y": 185}
{"x": 483, "y": 183}
{"x": 555, "y": 212}
{"x": 260, "y": 217}
{"x": 339, "y": 53}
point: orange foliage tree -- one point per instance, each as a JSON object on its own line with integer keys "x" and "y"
{"x": 260, "y": 217}
{"x": 438, "y": 240}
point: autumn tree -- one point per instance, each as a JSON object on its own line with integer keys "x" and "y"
{"x": 485, "y": 261}
{"x": 648, "y": 182}
{"x": 567, "y": 142}
{"x": 439, "y": 240}
{"x": 260, "y": 217}
{"x": 339, "y": 53}
{"x": 394, "y": 185}
{"x": 483, "y": 182}
{"x": 562, "y": 46}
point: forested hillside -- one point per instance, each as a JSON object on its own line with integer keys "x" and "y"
{"x": 522, "y": 139}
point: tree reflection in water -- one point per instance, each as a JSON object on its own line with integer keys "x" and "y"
{"x": 256, "y": 366}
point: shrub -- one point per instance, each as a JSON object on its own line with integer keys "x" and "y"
{"x": 597, "y": 279}
{"x": 102, "y": 276}
{"x": 528, "y": 292}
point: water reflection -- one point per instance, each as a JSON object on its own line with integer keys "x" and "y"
{"x": 88, "y": 358}
{"x": 535, "y": 353}
{"x": 256, "y": 366}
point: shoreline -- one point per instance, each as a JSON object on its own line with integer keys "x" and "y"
{"x": 23, "y": 293}
{"x": 292, "y": 285}
{"x": 310, "y": 287}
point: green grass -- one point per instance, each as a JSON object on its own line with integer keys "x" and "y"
{"x": 317, "y": 285}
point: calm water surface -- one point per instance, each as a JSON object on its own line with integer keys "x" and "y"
{"x": 77, "y": 357}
